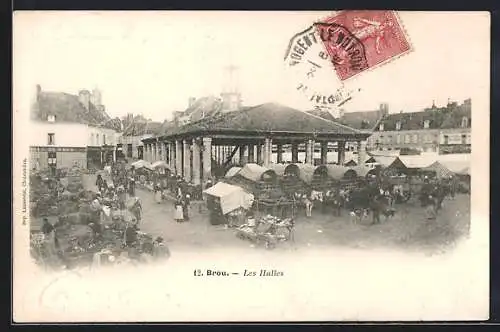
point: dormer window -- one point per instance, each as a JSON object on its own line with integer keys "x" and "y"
{"x": 398, "y": 125}
{"x": 51, "y": 118}
{"x": 465, "y": 122}
{"x": 426, "y": 124}
{"x": 381, "y": 127}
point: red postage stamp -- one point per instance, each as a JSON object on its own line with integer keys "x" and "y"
{"x": 357, "y": 40}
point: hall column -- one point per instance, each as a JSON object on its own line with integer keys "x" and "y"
{"x": 196, "y": 162}
{"x": 295, "y": 152}
{"x": 267, "y": 152}
{"x": 310, "y": 152}
{"x": 324, "y": 153}
{"x": 178, "y": 157}
{"x": 207, "y": 158}
{"x": 114, "y": 155}
{"x": 187, "y": 161}
{"x": 279, "y": 153}
{"x": 243, "y": 155}
{"x": 341, "y": 152}
{"x": 251, "y": 153}
{"x": 361, "y": 152}
{"x": 259, "y": 154}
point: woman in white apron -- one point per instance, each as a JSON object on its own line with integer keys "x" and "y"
{"x": 178, "y": 212}
{"x": 157, "y": 193}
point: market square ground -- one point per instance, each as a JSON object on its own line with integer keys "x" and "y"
{"x": 408, "y": 230}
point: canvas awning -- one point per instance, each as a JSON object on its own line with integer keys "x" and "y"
{"x": 160, "y": 164}
{"x": 338, "y": 172}
{"x": 362, "y": 171}
{"x": 142, "y": 163}
{"x": 306, "y": 172}
{"x": 232, "y": 172}
{"x": 231, "y": 197}
{"x": 440, "y": 170}
{"x": 279, "y": 169}
{"x": 255, "y": 173}
{"x": 417, "y": 161}
{"x": 465, "y": 171}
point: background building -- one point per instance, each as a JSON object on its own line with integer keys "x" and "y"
{"x": 69, "y": 130}
{"x": 436, "y": 129}
{"x": 137, "y": 128}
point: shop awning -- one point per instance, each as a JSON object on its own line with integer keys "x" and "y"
{"x": 231, "y": 197}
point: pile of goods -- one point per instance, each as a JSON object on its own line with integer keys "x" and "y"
{"x": 62, "y": 200}
{"x": 268, "y": 230}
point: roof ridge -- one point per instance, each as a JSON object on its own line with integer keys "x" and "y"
{"x": 328, "y": 121}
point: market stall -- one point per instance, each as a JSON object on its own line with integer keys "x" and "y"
{"x": 223, "y": 199}
{"x": 258, "y": 180}
{"x": 232, "y": 172}
{"x": 267, "y": 230}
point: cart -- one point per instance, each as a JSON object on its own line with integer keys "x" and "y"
{"x": 268, "y": 230}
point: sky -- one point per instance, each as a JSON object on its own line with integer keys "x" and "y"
{"x": 150, "y": 63}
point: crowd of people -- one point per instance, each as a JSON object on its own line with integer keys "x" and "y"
{"x": 377, "y": 196}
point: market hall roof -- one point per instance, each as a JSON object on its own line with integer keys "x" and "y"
{"x": 269, "y": 118}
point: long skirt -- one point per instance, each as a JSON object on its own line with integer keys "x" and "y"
{"x": 430, "y": 212}
{"x": 178, "y": 213}
{"x": 158, "y": 196}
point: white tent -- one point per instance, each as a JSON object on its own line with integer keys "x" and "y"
{"x": 231, "y": 197}
{"x": 141, "y": 163}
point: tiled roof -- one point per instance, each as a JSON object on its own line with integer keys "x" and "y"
{"x": 138, "y": 128}
{"x": 202, "y": 107}
{"x": 267, "y": 117}
{"x": 322, "y": 114}
{"x": 362, "y": 119}
{"x": 67, "y": 108}
{"x": 443, "y": 117}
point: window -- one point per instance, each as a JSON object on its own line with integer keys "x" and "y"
{"x": 464, "y": 139}
{"x": 398, "y": 125}
{"x": 398, "y": 139}
{"x": 51, "y": 139}
{"x": 97, "y": 139}
{"x": 445, "y": 139}
{"x": 407, "y": 138}
{"x": 92, "y": 139}
{"x": 389, "y": 139}
{"x": 415, "y": 138}
{"x": 465, "y": 122}
{"x": 51, "y": 118}
{"x": 381, "y": 127}
{"x": 426, "y": 124}
{"x": 52, "y": 158}
{"x": 103, "y": 139}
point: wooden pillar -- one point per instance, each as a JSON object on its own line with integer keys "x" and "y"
{"x": 341, "y": 152}
{"x": 267, "y": 152}
{"x": 207, "y": 158}
{"x": 310, "y": 152}
{"x": 279, "y": 153}
{"x": 324, "y": 152}
{"x": 259, "y": 154}
{"x": 187, "y": 161}
{"x": 295, "y": 152}
{"x": 179, "y": 170}
{"x": 251, "y": 153}
{"x": 243, "y": 154}
{"x": 361, "y": 152}
{"x": 196, "y": 162}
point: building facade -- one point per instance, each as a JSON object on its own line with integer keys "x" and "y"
{"x": 68, "y": 130}
{"x": 441, "y": 130}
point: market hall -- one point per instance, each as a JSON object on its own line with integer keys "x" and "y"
{"x": 204, "y": 149}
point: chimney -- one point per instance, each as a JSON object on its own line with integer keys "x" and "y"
{"x": 384, "y": 108}
{"x": 84, "y": 98}
{"x": 231, "y": 101}
{"x": 38, "y": 92}
{"x": 191, "y": 101}
{"x": 96, "y": 97}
